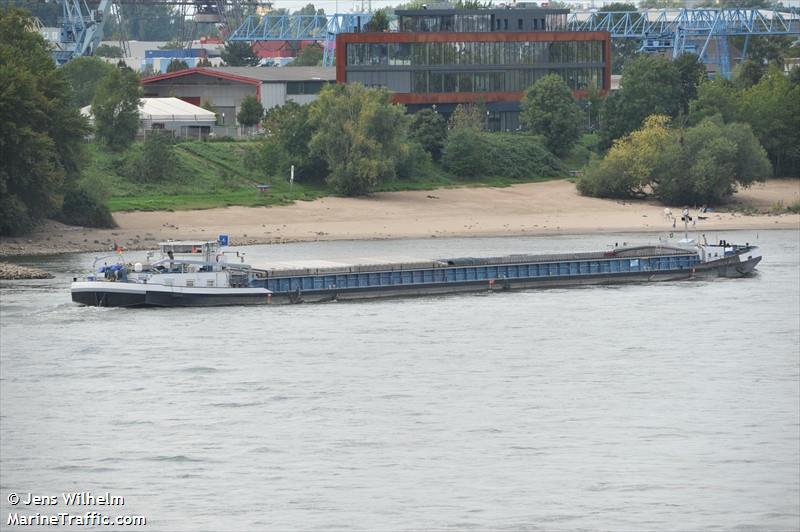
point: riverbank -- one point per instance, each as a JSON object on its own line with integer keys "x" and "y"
{"x": 552, "y": 207}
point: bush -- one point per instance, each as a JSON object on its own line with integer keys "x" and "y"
{"x": 465, "y": 154}
{"x": 81, "y": 208}
{"x": 154, "y": 161}
{"x": 471, "y": 154}
{"x": 519, "y": 156}
{"x": 14, "y": 216}
{"x": 415, "y": 162}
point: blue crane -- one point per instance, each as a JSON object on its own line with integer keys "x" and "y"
{"x": 81, "y": 29}
{"x": 690, "y": 30}
{"x": 301, "y": 28}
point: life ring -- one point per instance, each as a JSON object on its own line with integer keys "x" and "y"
{"x": 216, "y": 258}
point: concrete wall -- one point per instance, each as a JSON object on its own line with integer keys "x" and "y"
{"x": 273, "y": 94}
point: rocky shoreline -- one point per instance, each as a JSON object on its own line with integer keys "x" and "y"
{"x": 15, "y": 272}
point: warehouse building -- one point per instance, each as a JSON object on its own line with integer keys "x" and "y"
{"x": 226, "y": 87}
{"x": 444, "y": 57}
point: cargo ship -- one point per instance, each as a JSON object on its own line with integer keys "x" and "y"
{"x": 206, "y": 273}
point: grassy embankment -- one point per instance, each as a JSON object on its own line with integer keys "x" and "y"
{"x": 214, "y": 174}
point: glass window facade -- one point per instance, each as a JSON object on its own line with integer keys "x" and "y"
{"x": 420, "y": 54}
{"x": 468, "y": 66}
{"x": 304, "y": 87}
{"x": 483, "y": 20}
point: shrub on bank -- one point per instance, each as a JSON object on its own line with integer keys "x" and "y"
{"x": 81, "y": 208}
{"x": 472, "y": 154}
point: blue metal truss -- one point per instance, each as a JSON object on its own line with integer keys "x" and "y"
{"x": 80, "y": 29}
{"x": 321, "y": 28}
{"x": 690, "y": 30}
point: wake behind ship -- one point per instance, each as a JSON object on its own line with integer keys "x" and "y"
{"x": 205, "y": 273}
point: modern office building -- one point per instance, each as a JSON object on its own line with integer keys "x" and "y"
{"x": 443, "y": 57}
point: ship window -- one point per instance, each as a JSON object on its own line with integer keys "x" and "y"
{"x": 210, "y": 282}
{"x": 189, "y": 283}
{"x": 519, "y": 23}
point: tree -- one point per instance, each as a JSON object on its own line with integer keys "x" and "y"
{"x": 176, "y": 64}
{"x": 82, "y": 74}
{"x": 309, "y": 10}
{"x": 548, "y": 109}
{"x": 715, "y": 160}
{"x": 155, "y": 161}
{"x": 107, "y": 50}
{"x": 429, "y": 129}
{"x": 772, "y": 108}
{"x": 717, "y": 96}
{"x": 359, "y": 134}
{"x": 250, "y": 112}
{"x": 116, "y": 108}
{"x": 157, "y": 22}
{"x": 465, "y": 153}
{"x": 310, "y": 55}
{"x": 702, "y": 164}
{"x": 41, "y": 131}
{"x": 622, "y": 50}
{"x": 747, "y": 73}
{"x": 287, "y": 133}
{"x": 80, "y": 207}
{"x": 378, "y": 23}
{"x": 148, "y": 70}
{"x": 204, "y": 62}
{"x": 470, "y": 116}
{"x": 633, "y": 162}
{"x": 208, "y": 106}
{"x": 239, "y": 53}
{"x": 650, "y": 85}
{"x": 692, "y": 73}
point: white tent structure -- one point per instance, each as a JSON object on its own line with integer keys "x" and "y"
{"x": 182, "y": 118}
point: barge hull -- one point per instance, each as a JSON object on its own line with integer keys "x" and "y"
{"x": 435, "y": 289}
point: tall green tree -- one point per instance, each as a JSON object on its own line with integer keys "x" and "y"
{"x": 469, "y": 116}
{"x": 715, "y": 160}
{"x": 717, "y": 96}
{"x": 177, "y": 64}
{"x": 308, "y": 10}
{"x": 310, "y": 55}
{"x": 359, "y": 134}
{"x": 379, "y": 22}
{"x": 429, "y": 129}
{"x": 155, "y": 22}
{"x": 622, "y": 50}
{"x": 748, "y": 73}
{"x": 287, "y": 135}
{"x": 465, "y": 153}
{"x": 692, "y": 73}
{"x": 772, "y": 108}
{"x": 83, "y": 74}
{"x": 250, "y": 112}
{"x": 41, "y": 130}
{"x": 650, "y": 84}
{"x": 116, "y": 108}
{"x": 705, "y": 163}
{"x": 154, "y": 160}
{"x": 548, "y": 109}
{"x": 239, "y": 53}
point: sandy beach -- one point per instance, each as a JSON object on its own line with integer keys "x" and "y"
{"x": 553, "y": 207}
